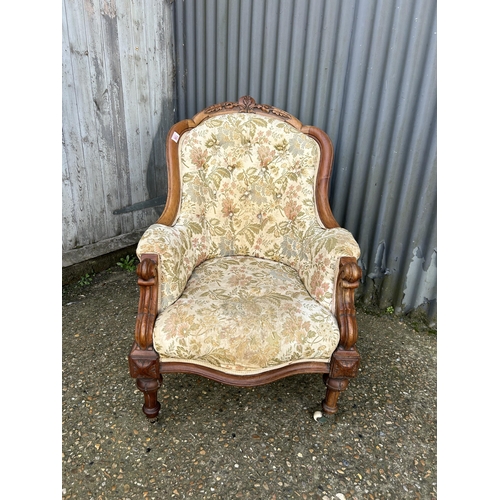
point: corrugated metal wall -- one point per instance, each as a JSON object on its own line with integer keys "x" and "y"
{"x": 118, "y": 92}
{"x": 365, "y": 72}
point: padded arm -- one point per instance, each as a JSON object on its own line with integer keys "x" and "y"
{"x": 320, "y": 260}
{"x": 179, "y": 253}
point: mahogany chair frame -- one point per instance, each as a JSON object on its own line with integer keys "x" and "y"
{"x": 144, "y": 362}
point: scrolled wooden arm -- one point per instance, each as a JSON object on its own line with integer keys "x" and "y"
{"x": 347, "y": 282}
{"x": 147, "y": 271}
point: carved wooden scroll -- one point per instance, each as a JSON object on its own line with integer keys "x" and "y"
{"x": 345, "y": 360}
{"x": 347, "y": 282}
{"x": 147, "y": 270}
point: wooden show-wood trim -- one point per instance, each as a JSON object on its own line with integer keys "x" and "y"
{"x": 347, "y": 282}
{"x": 244, "y": 380}
{"x": 172, "y": 205}
{"x": 323, "y": 175}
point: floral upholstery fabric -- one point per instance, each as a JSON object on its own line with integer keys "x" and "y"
{"x": 178, "y": 252}
{"x": 247, "y": 191}
{"x": 243, "y": 315}
{"x": 320, "y": 259}
{"x": 248, "y": 183}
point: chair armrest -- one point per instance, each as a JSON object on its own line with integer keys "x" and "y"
{"x": 147, "y": 271}
{"x": 179, "y": 253}
{"x": 319, "y": 265}
{"x": 347, "y": 282}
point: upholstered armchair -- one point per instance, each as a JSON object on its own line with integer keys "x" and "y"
{"x": 246, "y": 277}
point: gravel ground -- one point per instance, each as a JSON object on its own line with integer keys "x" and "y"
{"x": 216, "y": 441}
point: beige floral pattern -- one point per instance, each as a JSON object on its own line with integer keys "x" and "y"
{"x": 243, "y": 315}
{"x": 247, "y": 272}
{"x": 180, "y": 248}
{"x": 249, "y": 180}
{"x": 320, "y": 259}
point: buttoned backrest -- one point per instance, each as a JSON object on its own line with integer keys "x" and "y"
{"x": 248, "y": 181}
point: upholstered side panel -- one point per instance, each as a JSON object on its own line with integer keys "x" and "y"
{"x": 244, "y": 315}
{"x": 249, "y": 180}
{"x": 320, "y": 259}
{"x": 180, "y": 249}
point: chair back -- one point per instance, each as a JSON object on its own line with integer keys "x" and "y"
{"x": 248, "y": 180}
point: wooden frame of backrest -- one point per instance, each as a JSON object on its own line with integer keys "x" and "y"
{"x": 247, "y": 104}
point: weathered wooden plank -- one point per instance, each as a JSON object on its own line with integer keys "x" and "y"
{"x": 166, "y": 80}
{"x": 105, "y": 175}
{"x": 96, "y": 111}
{"x": 79, "y": 53}
{"x": 120, "y": 165}
{"x": 137, "y": 114}
{"x": 158, "y": 53}
{"x": 103, "y": 247}
{"x": 149, "y": 106}
{"x": 77, "y": 221}
{"x": 69, "y": 226}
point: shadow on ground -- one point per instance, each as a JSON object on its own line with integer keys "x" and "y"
{"x": 216, "y": 441}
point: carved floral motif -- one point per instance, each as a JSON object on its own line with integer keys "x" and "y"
{"x": 247, "y": 104}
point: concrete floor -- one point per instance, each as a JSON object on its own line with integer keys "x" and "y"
{"x": 216, "y": 441}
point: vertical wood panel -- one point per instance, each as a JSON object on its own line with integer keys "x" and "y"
{"x": 135, "y": 76}
{"x": 101, "y": 167}
{"x": 113, "y": 71}
{"x": 76, "y": 217}
{"x": 69, "y": 222}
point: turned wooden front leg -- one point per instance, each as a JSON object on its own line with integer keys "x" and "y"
{"x": 150, "y": 386}
{"x": 144, "y": 365}
{"x": 345, "y": 366}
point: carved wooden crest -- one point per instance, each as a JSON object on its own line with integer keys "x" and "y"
{"x": 247, "y": 104}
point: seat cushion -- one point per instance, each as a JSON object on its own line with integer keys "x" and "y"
{"x": 244, "y": 315}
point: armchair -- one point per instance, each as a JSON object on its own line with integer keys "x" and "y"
{"x": 246, "y": 277}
